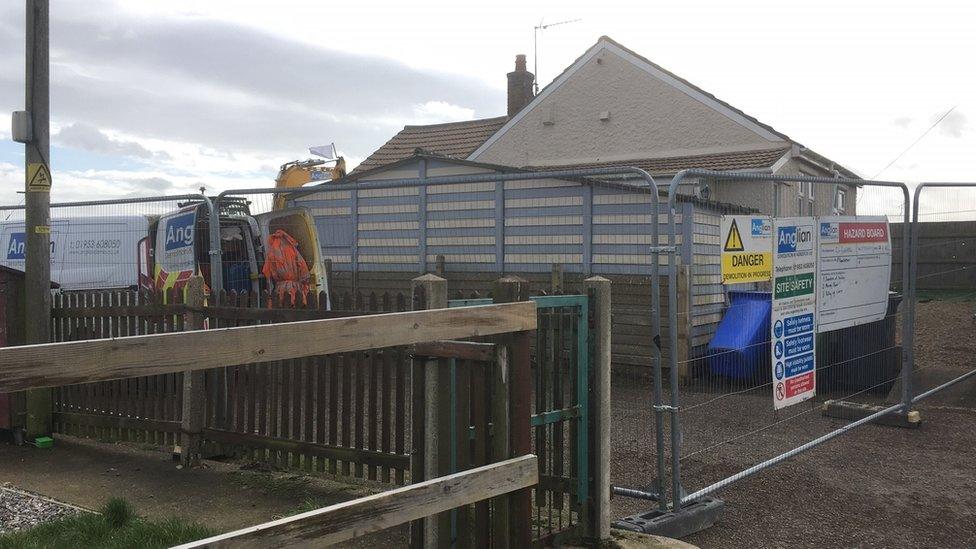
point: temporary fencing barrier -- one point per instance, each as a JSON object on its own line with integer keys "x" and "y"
{"x": 716, "y": 413}
{"x": 102, "y": 245}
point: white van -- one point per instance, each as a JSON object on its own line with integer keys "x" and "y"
{"x": 87, "y": 253}
{"x": 161, "y": 252}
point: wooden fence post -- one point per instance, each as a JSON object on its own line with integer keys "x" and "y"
{"x": 500, "y": 447}
{"x": 431, "y": 434}
{"x": 557, "y": 278}
{"x": 194, "y": 396}
{"x": 598, "y": 289}
{"x": 513, "y": 383}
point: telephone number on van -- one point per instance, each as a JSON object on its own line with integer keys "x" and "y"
{"x": 92, "y": 244}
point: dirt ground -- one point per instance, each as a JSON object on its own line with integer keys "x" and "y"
{"x": 874, "y": 487}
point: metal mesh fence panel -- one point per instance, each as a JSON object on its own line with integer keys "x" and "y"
{"x": 723, "y": 395}
{"x": 944, "y": 279}
{"x": 104, "y": 245}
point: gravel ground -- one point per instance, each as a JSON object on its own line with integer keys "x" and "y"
{"x": 874, "y": 487}
{"x": 20, "y": 510}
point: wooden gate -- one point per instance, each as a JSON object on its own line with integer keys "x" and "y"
{"x": 561, "y": 374}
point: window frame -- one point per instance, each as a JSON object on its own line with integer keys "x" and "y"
{"x": 840, "y": 200}
{"x": 805, "y": 196}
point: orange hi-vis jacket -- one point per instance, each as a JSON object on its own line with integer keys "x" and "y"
{"x": 285, "y": 266}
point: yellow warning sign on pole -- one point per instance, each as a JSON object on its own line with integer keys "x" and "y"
{"x": 38, "y": 178}
{"x": 747, "y": 249}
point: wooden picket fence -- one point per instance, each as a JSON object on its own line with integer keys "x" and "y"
{"x": 144, "y": 409}
{"x": 490, "y": 497}
{"x": 345, "y": 414}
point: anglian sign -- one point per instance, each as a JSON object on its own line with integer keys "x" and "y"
{"x": 792, "y": 325}
{"x": 747, "y": 245}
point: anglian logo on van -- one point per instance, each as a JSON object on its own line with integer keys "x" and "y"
{"x": 17, "y": 246}
{"x": 179, "y": 231}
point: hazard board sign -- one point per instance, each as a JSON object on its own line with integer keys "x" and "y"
{"x": 747, "y": 248}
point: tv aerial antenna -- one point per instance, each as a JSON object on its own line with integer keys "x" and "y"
{"x": 535, "y": 46}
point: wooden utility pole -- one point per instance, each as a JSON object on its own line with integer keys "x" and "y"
{"x": 37, "y": 201}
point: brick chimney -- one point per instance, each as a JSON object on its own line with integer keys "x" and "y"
{"x": 519, "y": 86}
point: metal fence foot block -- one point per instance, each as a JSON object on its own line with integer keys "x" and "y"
{"x": 853, "y": 411}
{"x": 694, "y": 518}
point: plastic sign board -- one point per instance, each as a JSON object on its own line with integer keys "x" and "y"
{"x": 175, "y": 239}
{"x": 747, "y": 242}
{"x": 853, "y": 272}
{"x": 793, "y": 338}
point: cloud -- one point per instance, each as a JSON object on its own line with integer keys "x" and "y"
{"x": 89, "y": 138}
{"x": 904, "y": 121}
{"x": 153, "y": 184}
{"x": 954, "y": 124}
{"x": 433, "y": 112}
{"x": 231, "y": 88}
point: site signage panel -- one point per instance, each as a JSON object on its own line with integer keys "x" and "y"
{"x": 853, "y": 271}
{"x": 747, "y": 243}
{"x": 794, "y": 310}
{"x": 175, "y": 237}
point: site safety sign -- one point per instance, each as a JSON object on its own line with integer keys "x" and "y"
{"x": 747, "y": 244}
{"x": 793, "y": 336}
{"x": 853, "y": 271}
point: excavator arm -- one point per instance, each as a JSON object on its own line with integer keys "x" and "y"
{"x": 297, "y": 173}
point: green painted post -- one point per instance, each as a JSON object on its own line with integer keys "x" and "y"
{"x": 598, "y": 289}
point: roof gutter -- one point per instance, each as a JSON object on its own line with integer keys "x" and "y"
{"x": 805, "y": 155}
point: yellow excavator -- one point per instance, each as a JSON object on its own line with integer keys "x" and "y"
{"x": 297, "y": 173}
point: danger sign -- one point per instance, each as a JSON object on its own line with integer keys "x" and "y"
{"x": 747, "y": 246}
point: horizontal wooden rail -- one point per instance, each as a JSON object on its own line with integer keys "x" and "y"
{"x": 461, "y": 350}
{"x": 54, "y": 364}
{"x": 272, "y": 315}
{"x": 365, "y": 457}
{"x": 111, "y": 311}
{"x": 358, "y": 517}
{"x": 117, "y": 422}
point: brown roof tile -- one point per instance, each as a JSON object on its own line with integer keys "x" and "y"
{"x": 740, "y": 160}
{"x": 454, "y": 139}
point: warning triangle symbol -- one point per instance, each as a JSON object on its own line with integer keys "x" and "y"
{"x": 733, "y": 242}
{"x": 40, "y": 179}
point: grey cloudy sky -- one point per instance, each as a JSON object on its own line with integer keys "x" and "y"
{"x": 222, "y": 92}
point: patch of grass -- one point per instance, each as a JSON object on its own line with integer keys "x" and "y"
{"x": 269, "y": 483}
{"x": 118, "y": 513}
{"x": 116, "y": 528}
{"x": 310, "y": 504}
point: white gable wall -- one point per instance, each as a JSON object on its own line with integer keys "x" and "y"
{"x": 651, "y": 115}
